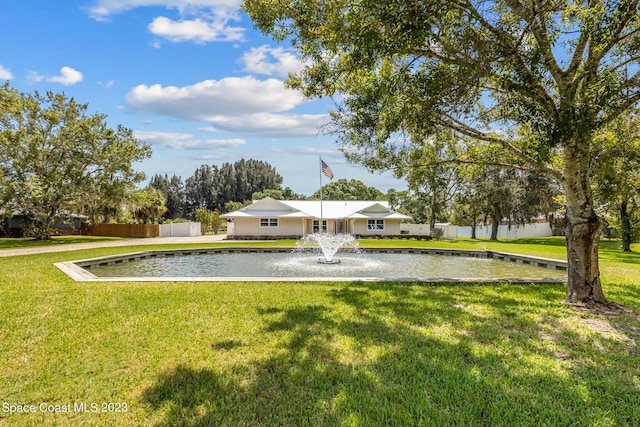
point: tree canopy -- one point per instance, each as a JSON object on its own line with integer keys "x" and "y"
{"x": 56, "y": 160}
{"x": 352, "y": 189}
{"x": 617, "y": 175}
{"x": 536, "y": 78}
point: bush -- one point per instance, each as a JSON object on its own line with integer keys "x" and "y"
{"x": 37, "y": 231}
{"x": 437, "y": 233}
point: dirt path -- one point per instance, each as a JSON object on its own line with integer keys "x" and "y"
{"x": 114, "y": 243}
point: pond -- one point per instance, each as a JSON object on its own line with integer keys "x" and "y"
{"x": 359, "y": 265}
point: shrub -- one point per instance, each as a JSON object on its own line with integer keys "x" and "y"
{"x": 37, "y": 231}
{"x": 437, "y": 233}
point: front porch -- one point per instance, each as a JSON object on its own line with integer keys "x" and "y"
{"x": 331, "y": 226}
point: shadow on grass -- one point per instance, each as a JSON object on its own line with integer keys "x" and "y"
{"x": 546, "y": 241}
{"x": 392, "y": 354}
{"x": 614, "y": 254}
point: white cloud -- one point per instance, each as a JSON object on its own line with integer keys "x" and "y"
{"x": 244, "y": 105}
{"x": 108, "y": 84}
{"x": 68, "y": 76}
{"x": 271, "y": 61}
{"x": 103, "y": 9}
{"x": 33, "y": 77}
{"x": 185, "y": 141}
{"x": 274, "y": 125}
{"x": 200, "y": 21}
{"x": 209, "y": 99}
{"x": 196, "y": 30}
{"x": 5, "y": 73}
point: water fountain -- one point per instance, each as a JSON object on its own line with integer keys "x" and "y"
{"x": 328, "y": 244}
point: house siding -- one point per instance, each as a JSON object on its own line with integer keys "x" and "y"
{"x": 251, "y": 227}
{"x": 391, "y": 226}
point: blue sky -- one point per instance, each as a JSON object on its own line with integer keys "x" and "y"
{"x": 191, "y": 78}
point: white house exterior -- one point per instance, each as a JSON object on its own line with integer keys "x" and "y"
{"x": 292, "y": 218}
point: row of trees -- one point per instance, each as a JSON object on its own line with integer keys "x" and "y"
{"x": 217, "y": 188}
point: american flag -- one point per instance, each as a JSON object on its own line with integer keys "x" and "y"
{"x": 326, "y": 170}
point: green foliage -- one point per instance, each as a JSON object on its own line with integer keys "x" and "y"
{"x": 616, "y": 183}
{"x": 234, "y": 206}
{"x": 212, "y": 187}
{"x": 493, "y": 194}
{"x": 174, "y": 194}
{"x": 278, "y": 194}
{"x": 146, "y": 205}
{"x": 55, "y": 160}
{"x": 209, "y": 220}
{"x": 437, "y": 233}
{"x": 36, "y": 230}
{"x": 352, "y": 189}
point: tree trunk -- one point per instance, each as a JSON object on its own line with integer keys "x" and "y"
{"x": 432, "y": 215}
{"x": 495, "y": 224}
{"x": 473, "y": 230}
{"x": 582, "y": 228}
{"x": 625, "y": 227}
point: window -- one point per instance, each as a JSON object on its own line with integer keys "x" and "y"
{"x": 375, "y": 224}
{"x": 316, "y": 225}
{"x": 268, "y": 222}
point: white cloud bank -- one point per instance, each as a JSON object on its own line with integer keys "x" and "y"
{"x": 196, "y": 30}
{"x": 5, "y": 74}
{"x": 244, "y": 105}
{"x": 200, "y": 21}
{"x": 185, "y": 141}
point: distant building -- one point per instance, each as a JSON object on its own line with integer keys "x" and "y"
{"x": 294, "y": 218}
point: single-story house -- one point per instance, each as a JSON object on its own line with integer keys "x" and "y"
{"x": 293, "y": 218}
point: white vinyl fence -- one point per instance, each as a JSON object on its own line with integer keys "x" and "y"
{"x": 180, "y": 229}
{"x": 541, "y": 229}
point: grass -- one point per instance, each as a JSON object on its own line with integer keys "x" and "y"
{"x": 25, "y": 242}
{"x": 353, "y": 354}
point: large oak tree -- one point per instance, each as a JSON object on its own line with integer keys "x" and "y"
{"x": 56, "y": 160}
{"x": 537, "y": 77}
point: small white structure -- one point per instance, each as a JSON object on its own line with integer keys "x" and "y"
{"x": 180, "y": 229}
{"x": 289, "y": 218}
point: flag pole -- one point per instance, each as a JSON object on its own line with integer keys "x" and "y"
{"x": 320, "y": 223}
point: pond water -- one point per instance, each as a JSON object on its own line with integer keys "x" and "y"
{"x": 295, "y": 264}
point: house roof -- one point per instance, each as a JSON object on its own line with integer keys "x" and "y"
{"x": 331, "y": 209}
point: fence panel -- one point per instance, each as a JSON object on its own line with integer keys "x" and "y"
{"x": 125, "y": 230}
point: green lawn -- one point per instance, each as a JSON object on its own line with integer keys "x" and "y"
{"x": 19, "y": 243}
{"x": 296, "y": 354}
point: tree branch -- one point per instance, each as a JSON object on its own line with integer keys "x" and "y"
{"x": 535, "y": 21}
{"x": 539, "y": 92}
{"x": 466, "y": 130}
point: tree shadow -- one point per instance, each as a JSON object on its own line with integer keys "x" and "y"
{"x": 402, "y": 354}
{"x": 546, "y": 241}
